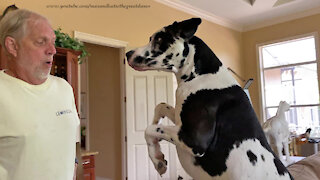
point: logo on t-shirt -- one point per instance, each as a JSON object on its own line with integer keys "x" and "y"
{"x": 63, "y": 112}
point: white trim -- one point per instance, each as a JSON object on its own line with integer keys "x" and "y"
{"x": 104, "y": 41}
{"x": 288, "y": 39}
{"x": 283, "y": 19}
{"x": 123, "y": 113}
{"x": 296, "y": 106}
{"x": 261, "y": 69}
{"x": 182, "y": 6}
{"x": 101, "y": 178}
{"x": 99, "y": 40}
{"x": 316, "y": 39}
{"x": 260, "y": 84}
{"x": 290, "y": 65}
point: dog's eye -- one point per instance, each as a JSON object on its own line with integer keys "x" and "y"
{"x": 158, "y": 40}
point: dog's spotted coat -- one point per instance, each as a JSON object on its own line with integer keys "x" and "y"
{"x": 216, "y": 132}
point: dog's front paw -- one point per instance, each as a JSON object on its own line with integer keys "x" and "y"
{"x": 161, "y": 167}
{"x": 289, "y": 161}
{"x": 159, "y": 162}
{"x": 156, "y": 156}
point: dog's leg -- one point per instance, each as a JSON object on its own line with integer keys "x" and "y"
{"x": 163, "y": 110}
{"x": 154, "y": 134}
{"x": 155, "y": 154}
{"x": 279, "y": 148}
{"x": 268, "y": 138}
{"x": 286, "y": 150}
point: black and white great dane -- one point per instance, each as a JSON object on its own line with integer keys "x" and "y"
{"x": 216, "y": 132}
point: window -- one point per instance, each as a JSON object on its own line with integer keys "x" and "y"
{"x": 289, "y": 72}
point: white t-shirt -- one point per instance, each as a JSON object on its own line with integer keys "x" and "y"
{"x": 38, "y": 129}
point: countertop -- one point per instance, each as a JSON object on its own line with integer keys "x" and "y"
{"x": 89, "y": 153}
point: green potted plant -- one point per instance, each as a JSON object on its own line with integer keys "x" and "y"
{"x": 63, "y": 40}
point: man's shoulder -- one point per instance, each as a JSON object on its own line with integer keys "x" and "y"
{"x": 4, "y": 78}
{"x": 60, "y": 82}
{"x": 57, "y": 79}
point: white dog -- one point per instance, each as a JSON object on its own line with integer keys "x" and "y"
{"x": 277, "y": 129}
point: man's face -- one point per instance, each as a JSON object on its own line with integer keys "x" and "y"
{"x": 35, "y": 51}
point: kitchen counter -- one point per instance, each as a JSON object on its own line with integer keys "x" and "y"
{"x": 88, "y": 163}
{"x": 89, "y": 153}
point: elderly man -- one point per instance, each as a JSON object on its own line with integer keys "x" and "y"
{"x": 38, "y": 118}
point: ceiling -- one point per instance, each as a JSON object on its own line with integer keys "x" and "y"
{"x": 244, "y": 15}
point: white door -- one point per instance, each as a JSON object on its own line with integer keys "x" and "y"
{"x": 144, "y": 90}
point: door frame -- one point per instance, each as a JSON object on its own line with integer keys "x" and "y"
{"x": 122, "y": 46}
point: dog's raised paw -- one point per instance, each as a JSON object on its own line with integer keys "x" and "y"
{"x": 162, "y": 167}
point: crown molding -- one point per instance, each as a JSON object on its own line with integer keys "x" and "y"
{"x": 100, "y": 40}
{"x": 282, "y": 19}
{"x": 179, "y": 5}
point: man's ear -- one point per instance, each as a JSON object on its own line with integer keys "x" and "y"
{"x": 11, "y": 45}
{"x": 189, "y": 27}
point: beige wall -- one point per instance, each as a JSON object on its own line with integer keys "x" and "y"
{"x": 104, "y": 108}
{"x": 133, "y": 25}
{"x": 267, "y": 34}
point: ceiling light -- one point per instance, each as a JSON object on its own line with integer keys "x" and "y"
{"x": 251, "y": 2}
{"x": 281, "y": 2}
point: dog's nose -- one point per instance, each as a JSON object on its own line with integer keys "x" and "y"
{"x": 129, "y": 54}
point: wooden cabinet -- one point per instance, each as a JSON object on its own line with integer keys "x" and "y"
{"x": 88, "y": 167}
{"x": 65, "y": 65}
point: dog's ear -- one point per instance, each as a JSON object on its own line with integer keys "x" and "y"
{"x": 186, "y": 28}
{"x": 189, "y": 27}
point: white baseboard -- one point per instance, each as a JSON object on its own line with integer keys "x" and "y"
{"x": 102, "y": 178}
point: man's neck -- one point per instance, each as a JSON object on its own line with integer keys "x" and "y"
{"x": 24, "y": 78}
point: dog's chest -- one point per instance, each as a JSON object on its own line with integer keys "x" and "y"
{"x": 220, "y": 80}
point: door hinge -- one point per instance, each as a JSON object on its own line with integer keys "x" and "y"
{"x": 125, "y": 99}
{"x": 125, "y": 138}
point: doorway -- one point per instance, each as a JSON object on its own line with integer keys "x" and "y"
{"x": 102, "y": 104}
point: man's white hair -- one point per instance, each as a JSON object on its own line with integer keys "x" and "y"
{"x": 15, "y": 24}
